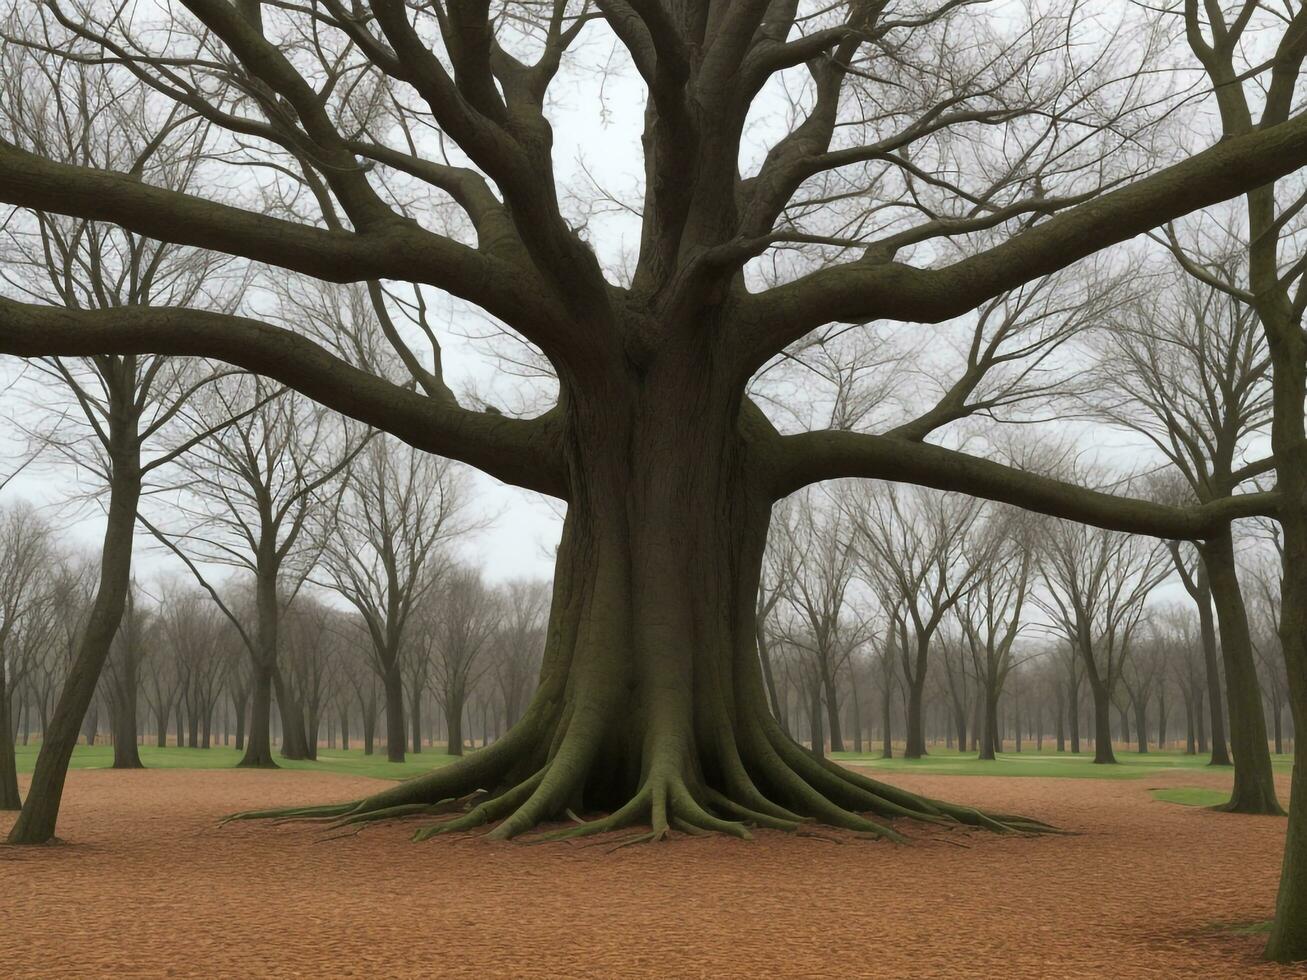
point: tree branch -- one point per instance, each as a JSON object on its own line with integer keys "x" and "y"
{"x": 517, "y": 451}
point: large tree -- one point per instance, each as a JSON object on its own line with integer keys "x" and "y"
{"x": 932, "y": 156}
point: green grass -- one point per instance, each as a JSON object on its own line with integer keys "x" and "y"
{"x": 1190, "y": 796}
{"x": 352, "y": 763}
{"x": 1049, "y": 762}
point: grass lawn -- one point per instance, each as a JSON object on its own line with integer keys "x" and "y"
{"x": 1130, "y": 765}
{"x": 1190, "y": 796}
{"x": 352, "y": 763}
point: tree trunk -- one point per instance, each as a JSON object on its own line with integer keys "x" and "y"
{"x": 651, "y": 704}
{"x": 416, "y": 712}
{"x": 258, "y": 746}
{"x": 1254, "y": 779}
{"x": 294, "y": 733}
{"x": 1277, "y": 715}
{"x": 454, "y": 722}
{"x": 1061, "y": 721}
{"x": 832, "y": 710}
{"x": 1161, "y": 717}
{"x": 857, "y": 714}
{"x": 1073, "y": 717}
{"x": 886, "y": 730}
{"x": 1141, "y": 724}
{"x": 123, "y": 716}
{"x": 396, "y": 734}
{"x": 9, "y": 798}
{"x": 239, "y": 707}
{"x": 36, "y": 823}
{"x": 816, "y": 734}
{"x": 916, "y": 733}
{"x": 988, "y": 748}
{"x": 1207, "y": 624}
{"x": 1103, "y": 753}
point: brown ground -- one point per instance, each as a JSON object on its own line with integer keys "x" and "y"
{"x": 150, "y": 886}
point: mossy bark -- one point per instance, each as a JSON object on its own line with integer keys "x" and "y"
{"x": 651, "y": 706}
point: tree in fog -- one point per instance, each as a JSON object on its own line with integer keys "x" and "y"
{"x": 459, "y": 624}
{"x": 519, "y": 643}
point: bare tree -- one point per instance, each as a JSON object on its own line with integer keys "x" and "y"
{"x": 934, "y": 159}
{"x": 398, "y": 511}
{"x": 25, "y": 558}
{"x": 991, "y": 613}
{"x": 254, "y": 499}
{"x": 1096, "y": 584}
{"x": 460, "y": 621}
{"x": 920, "y": 554}
{"x": 1187, "y": 368}
{"x": 519, "y": 643}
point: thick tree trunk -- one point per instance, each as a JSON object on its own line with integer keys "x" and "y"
{"x": 258, "y": 746}
{"x": 36, "y": 823}
{"x": 1254, "y": 780}
{"x": 651, "y": 704}
{"x": 1102, "y": 723}
{"x": 915, "y": 747}
{"x": 294, "y": 734}
{"x": 454, "y": 723}
{"x": 832, "y": 710}
{"x": 396, "y": 734}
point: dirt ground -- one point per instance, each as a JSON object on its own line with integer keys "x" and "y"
{"x": 150, "y": 886}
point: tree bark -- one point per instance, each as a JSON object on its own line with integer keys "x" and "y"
{"x": 36, "y": 823}
{"x": 9, "y": 798}
{"x": 1103, "y": 753}
{"x": 1254, "y": 779}
{"x": 396, "y": 733}
{"x": 1207, "y": 627}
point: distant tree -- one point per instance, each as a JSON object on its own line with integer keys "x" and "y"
{"x": 1097, "y": 582}
{"x": 460, "y": 621}
{"x": 26, "y": 554}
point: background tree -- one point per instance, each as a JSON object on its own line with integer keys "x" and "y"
{"x": 460, "y": 625}
{"x": 1187, "y": 368}
{"x": 1097, "y": 582}
{"x": 25, "y": 556}
{"x": 920, "y": 554}
{"x": 398, "y": 511}
{"x": 254, "y": 501}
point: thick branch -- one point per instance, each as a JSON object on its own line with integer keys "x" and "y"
{"x": 871, "y": 289}
{"x": 398, "y": 250}
{"x": 517, "y": 451}
{"x": 814, "y": 456}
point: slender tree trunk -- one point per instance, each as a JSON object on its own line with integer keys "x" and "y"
{"x": 1161, "y": 717}
{"x": 1061, "y": 721}
{"x": 1191, "y": 731}
{"x": 1254, "y": 780}
{"x": 816, "y": 735}
{"x": 9, "y": 798}
{"x": 454, "y": 721}
{"x": 988, "y": 739}
{"x": 886, "y": 730}
{"x": 344, "y": 727}
{"x": 1141, "y": 725}
{"x": 36, "y": 823}
{"x": 1207, "y": 625}
{"x": 857, "y": 714}
{"x": 764, "y": 659}
{"x": 1277, "y": 714}
{"x": 416, "y": 710}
